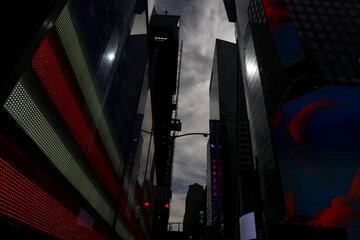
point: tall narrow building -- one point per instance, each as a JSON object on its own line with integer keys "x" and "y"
{"x": 164, "y": 79}
{"x": 230, "y": 158}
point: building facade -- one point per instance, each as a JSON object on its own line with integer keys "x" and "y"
{"x": 165, "y": 57}
{"x": 299, "y": 59}
{"x": 230, "y": 157}
{"x": 77, "y": 121}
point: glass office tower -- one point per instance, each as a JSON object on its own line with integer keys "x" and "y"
{"x": 300, "y": 64}
{"x": 230, "y": 157}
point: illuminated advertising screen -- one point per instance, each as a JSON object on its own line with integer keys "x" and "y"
{"x": 317, "y": 141}
{"x": 285, "y": 37}
{"x": 216, "y": 171}
{"x": 288, "y": 44}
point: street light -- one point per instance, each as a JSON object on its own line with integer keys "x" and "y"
{"x": 204, "y": 134}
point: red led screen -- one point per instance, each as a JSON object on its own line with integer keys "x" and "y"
{"x": 24, "y": 201}
{"x": 53, "y": 72}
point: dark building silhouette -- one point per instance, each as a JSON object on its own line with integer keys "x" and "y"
{"x": 193, "y": 205}
{"x": 230, "y": 159}
{"x": 299, "y": 59}
{"x": 203, "y": 213}
{"x": 79, "y": 126}
{"x": 164, "y": 77}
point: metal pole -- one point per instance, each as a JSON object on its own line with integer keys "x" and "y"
{"x": 188, "y": 134}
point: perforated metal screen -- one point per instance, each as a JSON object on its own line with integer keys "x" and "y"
{"x": 27, "y": 114}
{"x": 52, "y": 72}
{"x": 73, "y": 47}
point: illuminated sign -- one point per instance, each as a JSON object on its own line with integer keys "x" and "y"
{"x": 317, "y": 139}
{"x": 160, "y": 39}
{"x": 216, "y": 170}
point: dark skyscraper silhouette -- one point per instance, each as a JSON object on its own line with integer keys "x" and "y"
{"x": 192, "y": 225}
{"x": 164, "y": 62}
{"x": 230, "y": 159}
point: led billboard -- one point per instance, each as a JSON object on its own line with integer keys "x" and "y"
{"x": 317, "y": 138}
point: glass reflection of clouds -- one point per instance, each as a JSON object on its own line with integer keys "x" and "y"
{"x": 251, "y": 68}
{"x": 317, "y": 140}
{"x": 110, "y": 56}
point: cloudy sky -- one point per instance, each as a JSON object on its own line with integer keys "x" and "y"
{"x": 202, "y": 21}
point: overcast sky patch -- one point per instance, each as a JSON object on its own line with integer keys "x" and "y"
{"x": 202, "y": 21}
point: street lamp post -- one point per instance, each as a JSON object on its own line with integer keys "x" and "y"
{"x": 204, "y": 134}
{"x": 173, "y": 137}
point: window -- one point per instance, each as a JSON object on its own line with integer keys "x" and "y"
{"x": 325, "y": 18}
{"x": 318, "y": 26}
{"x": 314, "y": 45}
{"x": 303, "y": 16}
{"x": 322, "y": 35}
{"x": 310, "y": 34}
{"x": 307, "y": 25}
{"x": 310, "y": 9}
{"x": 299, "y": 8}
{"x": 327, "y": 47}
{"x": 314, "y": 18}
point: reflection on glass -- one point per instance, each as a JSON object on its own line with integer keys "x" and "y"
{"x": 251, "y": 68}
{"x": 110, "y": 56}
{"x": 147, "y": 150}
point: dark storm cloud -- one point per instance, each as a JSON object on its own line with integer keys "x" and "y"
{"x": 202, "y": 21}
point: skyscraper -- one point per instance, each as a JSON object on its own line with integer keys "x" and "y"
{"x": 300, "y": 65}
{"x": 230, "y": 157}
{"x": 191, "y": 224}
{"x": 164, "y": 79}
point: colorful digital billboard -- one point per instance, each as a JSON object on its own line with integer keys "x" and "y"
{"x": 317, "y": 141}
